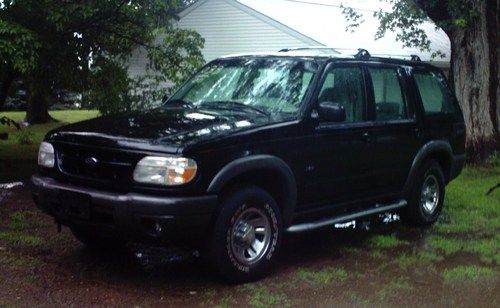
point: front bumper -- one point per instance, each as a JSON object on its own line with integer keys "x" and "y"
{"x": 130, "y": 216}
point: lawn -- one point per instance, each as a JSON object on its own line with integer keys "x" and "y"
{"x": 13, "y": 150}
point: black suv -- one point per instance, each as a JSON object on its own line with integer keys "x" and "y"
{"x": 254, "y": 146}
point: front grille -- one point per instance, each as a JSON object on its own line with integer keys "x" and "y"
{"x": 97, "y": 164}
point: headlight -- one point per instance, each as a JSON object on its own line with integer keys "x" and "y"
{"x": 46, "y": 155}
{"x": 166, "y": 171}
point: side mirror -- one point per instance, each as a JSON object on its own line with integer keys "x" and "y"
{"x": 331, "y": 112}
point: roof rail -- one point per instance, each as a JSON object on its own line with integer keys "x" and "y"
{"x": 332, "y": 49}
{"x": 388, "y": 55}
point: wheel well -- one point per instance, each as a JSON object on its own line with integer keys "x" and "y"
{"x": 269, "y": 180}
{"x": 444, "y": 160}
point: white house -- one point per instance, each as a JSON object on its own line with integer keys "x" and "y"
{"x": 242, "y": 26}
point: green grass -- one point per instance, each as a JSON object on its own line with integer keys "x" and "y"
{"x": 385, "y": 241}
{"x": 24, "y": 220}
{"x": 19, "y": 261}
{"x": 467, "y": 207}
{"x": 17, "y": 238}
{"x": 12, "y": 150}
{"x": 261, "y": 297}
{"x": 323, "y": 276}
{"x": 418, "y": 259}
{"x": 394, "y": 288}
{"x": 472, "y": 273}
{"x": 470, "y": 221}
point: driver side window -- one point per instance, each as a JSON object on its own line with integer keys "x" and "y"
{"x": 344, "y": 85}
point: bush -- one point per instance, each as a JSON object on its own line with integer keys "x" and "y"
{"x": 25, "y": 137}
{"x": 120, "y": 93}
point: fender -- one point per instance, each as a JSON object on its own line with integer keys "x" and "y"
{"x": 260, "y": 162}
{"x": 427, "y": 149}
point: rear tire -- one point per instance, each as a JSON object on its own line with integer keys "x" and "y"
{"x": 427, "y": 196}
{"x": 247, "y": 235}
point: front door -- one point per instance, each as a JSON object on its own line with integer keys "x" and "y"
{"x": 341, "y": 157}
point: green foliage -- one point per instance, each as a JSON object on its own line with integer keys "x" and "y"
{"x": 109, "y": 94}
{"x": 468, "y": 273}
{"x": 73, "y": 44}
{"x": 406, "y": 17}
{"x": 177, "y": 56}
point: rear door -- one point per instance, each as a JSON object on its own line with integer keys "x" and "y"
{"x": 442, "y": 118}
{"x": 397, "y": 135}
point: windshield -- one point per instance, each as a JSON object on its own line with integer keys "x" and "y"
{"x": 267, "y": 85}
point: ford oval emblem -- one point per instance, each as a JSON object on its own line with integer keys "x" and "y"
{"x": 91, "y": 161}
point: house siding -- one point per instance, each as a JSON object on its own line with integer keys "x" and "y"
{"x": 227, "y": 29}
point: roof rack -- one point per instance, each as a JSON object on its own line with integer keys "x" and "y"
{"x": 361, "y": 53}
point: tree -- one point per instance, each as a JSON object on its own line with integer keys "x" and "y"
{"x": 473, "y": 29}
{"x": 63, "y": 44}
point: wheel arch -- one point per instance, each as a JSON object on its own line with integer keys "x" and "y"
{"x": 438, "y": 150}
{"x": 279, "y": 180}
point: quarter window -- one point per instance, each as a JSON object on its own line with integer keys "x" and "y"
{"x": 435, "y": 95}
{"x": 344, "y": 85}
{"x": 390, "y": 103}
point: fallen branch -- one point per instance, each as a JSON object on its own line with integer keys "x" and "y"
{"x": 492, "y": 189}
{"x": 6, "y": 121}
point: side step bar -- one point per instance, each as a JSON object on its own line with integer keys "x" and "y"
{"x": 338, "y": 219}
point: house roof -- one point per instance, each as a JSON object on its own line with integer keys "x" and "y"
{"x": 322, "y": 23}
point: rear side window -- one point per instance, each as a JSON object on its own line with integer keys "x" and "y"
{"x": 344, "y": 85}
{"x": 435, "y": 95}
{"x": 390, "y": 103}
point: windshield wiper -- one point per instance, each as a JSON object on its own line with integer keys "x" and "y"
{"x": 233, "y": 104}
{"x": 179, "y": 102}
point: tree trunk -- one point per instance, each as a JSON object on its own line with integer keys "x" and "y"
{"x": 475, "y": 67}
{"x": 7, "y": 79}
{"x": 38, "y": 101}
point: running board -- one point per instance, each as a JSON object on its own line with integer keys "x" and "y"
{"x": 338, "y": 219}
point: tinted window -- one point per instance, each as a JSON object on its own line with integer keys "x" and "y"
{"x": 390, "y": 103}
{"x": 435, "y": 95}
{"x": 344, "y": 85}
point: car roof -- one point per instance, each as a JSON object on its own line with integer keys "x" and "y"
{"x": 328, "y": 53}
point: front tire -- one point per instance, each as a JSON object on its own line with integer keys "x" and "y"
{"x": 426, "y": 199}
{"x": 247, "y": 235}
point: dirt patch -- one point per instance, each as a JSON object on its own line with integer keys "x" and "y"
{"x": 388, "y": 265}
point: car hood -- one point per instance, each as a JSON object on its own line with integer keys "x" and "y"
{"x": 161, "y": 129}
